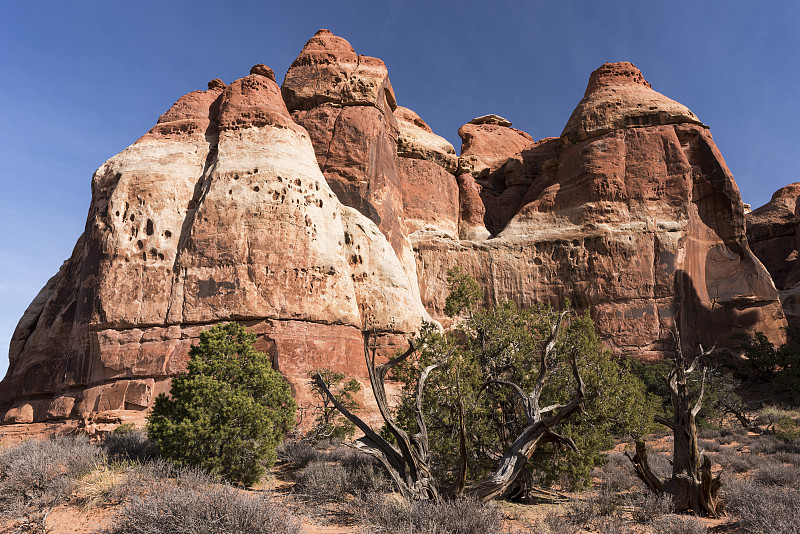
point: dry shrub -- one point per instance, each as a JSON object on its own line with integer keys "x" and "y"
{"x": 554, "y": 523}
{"x": 788, "y": 458}
{"x": 37, "y": 475}
{"x": 708, "y": 445}
{"x": 322, "y": 482}
{"x": 709, "y": 433}
{"x": 727, "y": 439}
{"x": 129, "y": 446}
{"x": 462, "y": 516}
{"x": 618, "y": 474}
{"x": 326, "y": 481}
{"x": 661, "y": 464}
{"x": 647, "y": 506}
{"x": 763, "y": 509}
{"x": 738, "y": 462}
{"x": 175, "y": 508}
{"x": 674, "y": 524}
{"x": 773, "y": 474}
{"x": 297, "y": 453}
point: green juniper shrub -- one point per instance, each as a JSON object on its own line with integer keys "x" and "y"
{"x": 228, "y": 412}
{"x": 765, "y": 363}
{"x": 503, "y": 343}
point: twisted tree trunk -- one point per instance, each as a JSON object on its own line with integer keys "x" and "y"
{"x": 408, "y": 463}
{"x": 691, "y": 485}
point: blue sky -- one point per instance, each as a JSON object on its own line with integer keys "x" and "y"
{"x": 80, "y": 81}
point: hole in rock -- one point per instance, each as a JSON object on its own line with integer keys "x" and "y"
{"x": 140, "y": 244}
{"x": 149, "y": 229}
{"x": 167, "y": 234}
{"x": 256, "y": 189}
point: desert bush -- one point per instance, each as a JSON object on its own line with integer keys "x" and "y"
{"x": 37, "y": 475}
{"x": 765, "y": 444}
{"x": 787, "y": 457}
{"x": 709, "y": 445}
{"x": 774, "y": 474}
{"x": 646, "y": 506}
{"x": 763, "y": 509}
{"x": 737, "y": 462}
{"x": 709, "y": 433}
{"x": 228, "y": 413}
{"x": 297, "y": 453}
{"x": 322, "y": 481}
{"x": 618, "y": 474}
{"x": 553, "y": 523}
{"x": 727, "y": 439}
{"x": 174, "y": 508}
{"x": 674, "y": 524}
{"x": 129, "y": 445}
{"x": 463, "y": 516}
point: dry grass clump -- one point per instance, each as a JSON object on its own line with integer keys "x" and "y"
{"x": 35, "y": 476}
{"x": 327, "y": 481}
{"x": 178, "y": 508}
{"x": 464, "y": 516}
{"x": 647, "y": 506}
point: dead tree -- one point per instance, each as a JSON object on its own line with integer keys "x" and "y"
{"x": 408, "y": 463}
{"x": 691, "y": 485}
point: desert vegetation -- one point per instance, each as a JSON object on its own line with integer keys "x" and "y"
{"x": 515, "y": 420}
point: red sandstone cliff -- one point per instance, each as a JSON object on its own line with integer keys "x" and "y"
{"x": 307, "y": 210}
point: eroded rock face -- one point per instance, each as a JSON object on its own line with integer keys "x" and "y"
{"x": 219, "y": 213}
{"x": 642, "y": 223}
{"x": 308, "y": 211}
{"x": 618, "y": 96}
{"x": 425, "y": 165}
{"x": 772, "y": 233}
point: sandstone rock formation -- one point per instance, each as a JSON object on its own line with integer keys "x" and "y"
{"x": 309, "y": 210}
{"x": 772, "y": 231}
{"x": 219, "y": 213}
{"x": 632, "y": 213}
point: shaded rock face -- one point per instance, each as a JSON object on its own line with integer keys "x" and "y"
{"x": 307, "y": 211}
{"x": 772, "y": 231}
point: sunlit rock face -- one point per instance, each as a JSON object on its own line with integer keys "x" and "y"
{"x": 310, "y": 210}
{"x": 219, "y": 213}
{"x": 772, "y": 233}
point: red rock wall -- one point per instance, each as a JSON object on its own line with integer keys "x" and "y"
{"x": 309, "y": 210}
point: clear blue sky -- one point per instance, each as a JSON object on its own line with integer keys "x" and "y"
{"x": 80, "y": 81}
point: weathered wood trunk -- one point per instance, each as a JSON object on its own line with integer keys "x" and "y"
{"x": 692, "y": 485}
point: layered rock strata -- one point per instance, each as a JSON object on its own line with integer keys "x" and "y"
{"x": 631, "y": 213}
{"x": 310, "y": 210}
